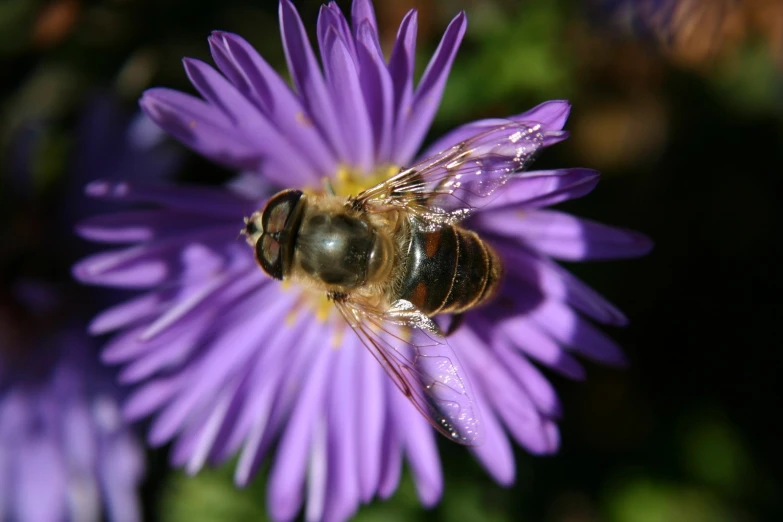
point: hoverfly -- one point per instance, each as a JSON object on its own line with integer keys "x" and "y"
{"x": 393, "y": 256}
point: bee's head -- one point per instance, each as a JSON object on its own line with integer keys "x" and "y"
{"x": 273, "y": 230}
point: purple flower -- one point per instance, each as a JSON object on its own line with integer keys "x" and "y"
{"x": 228, "y": 360}
{"x": 65, "y": 451}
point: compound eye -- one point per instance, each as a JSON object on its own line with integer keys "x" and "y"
{"x": 268, "y": 256}
{"x": 275, "y": 246}
{"x": 278, "y": 211}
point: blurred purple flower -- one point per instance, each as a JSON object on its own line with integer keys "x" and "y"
{"x": 228, "y": 360}
{"x": 65, "y": 451}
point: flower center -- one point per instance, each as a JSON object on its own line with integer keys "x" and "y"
{"x": 347, "y": 182}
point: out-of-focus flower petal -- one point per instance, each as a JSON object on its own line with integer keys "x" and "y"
{"x": 419, "y": 445}
{"x": 543, "y": 188}
{"x": 416, "y": 119}
{"x": 256, "y": 79}
{"x": 362, "y": 11}
{"x": 343, "y": 83}
{"x": 378, "y": 91}
{"x": 274, "y": 147}
{"x": 308, "y": 79}
{"x": 200, "y": 126}
{"x": 495, "y": 452}
{"x": 373, "y": 393}
{"x": 566, "y": 237}
{"x": 401, "y": 65}
{"x": 551, "y": 115}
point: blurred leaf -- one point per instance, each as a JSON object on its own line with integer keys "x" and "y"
{"x": 210, "y": 496}
{"x": 508, "y": 55}
{"x": 715, "y": 454}
{"x": 752, "y": 82}
{"x": 49, "y": 159}
{"x": 645, "y": 500}
{"x": 16, "y": 19}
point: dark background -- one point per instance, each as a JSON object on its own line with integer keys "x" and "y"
{"x": 684, "y": 117}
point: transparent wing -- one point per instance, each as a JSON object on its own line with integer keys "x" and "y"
{"x": 447, "y": 187}
{"x": 409, "y": 347}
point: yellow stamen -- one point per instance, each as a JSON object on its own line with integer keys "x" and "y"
{"x": 347, "y": 182}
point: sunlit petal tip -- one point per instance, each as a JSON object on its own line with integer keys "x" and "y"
{"x": 552, "y": 114}
{"x": 554, "y": 137}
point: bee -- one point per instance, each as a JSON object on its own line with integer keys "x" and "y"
{"x": 395, "y": 255}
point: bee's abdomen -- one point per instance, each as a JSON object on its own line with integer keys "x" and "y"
{"x": 449, "y": 270}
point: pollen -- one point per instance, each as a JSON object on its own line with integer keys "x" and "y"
{"x": 348, "y": 182}
{"x": 337, "y": 339}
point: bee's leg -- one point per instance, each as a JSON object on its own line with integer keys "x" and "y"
{"x": 456, "y": 321}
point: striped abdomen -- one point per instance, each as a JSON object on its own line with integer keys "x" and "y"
{"x": 449, "y": 270}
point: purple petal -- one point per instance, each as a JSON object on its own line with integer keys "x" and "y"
{"x": 495, "y": 453}
{"x": 254, "y": 77}
{"x": 343, "y": 84}
{"x": 378, "y": 91}
{"x": 391, "y": 454}
{"x": 78, "y": 437}
{"x": 270, "y": 369}
{"x": 342, "y": 494}
{"x": 418, "y": 117}
{"x": 401, "y": 66}
{"x": 510, "y": 400}
{"x": 542, "y": 188}
{"x": 137, "y": 267}
{"x": 217, "y": 202}
{"x": 120, "y": 473}
{"x": 138, "y": 225}
{"x": 153, "y": 394}
{"x": 539, "y": 389}
{"x": 294, "y": 370}
{"x": 145, "y": 265}
{"x": 307, "y": 77}
{"x": 240, "y": 339}
{"x": 170, "y": 351}
{"x": 330, "y": 17}
{"x": 198, "y": 298}
{"x": 210, "y": 428}
{"x": 551, "y": 115}
{"x": 569, "y": 328}
{"x": 275, "y": 148}
{"x": 286, "y": 478}
{"x": 372, "y": 409}
{"x": 40, "y": 482}
{"x": 362, "y": 12}
{"x": 421, "y": 450}
{"x": 555, "y": 282}
{"x": 317, "y": 480}
{"x": 5, "y": 463}
{"x": 125, "y": 314}
{"x": 200, "y": 126}
{"x": 566, "y": 237}
{"x": 529, "y": 338}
